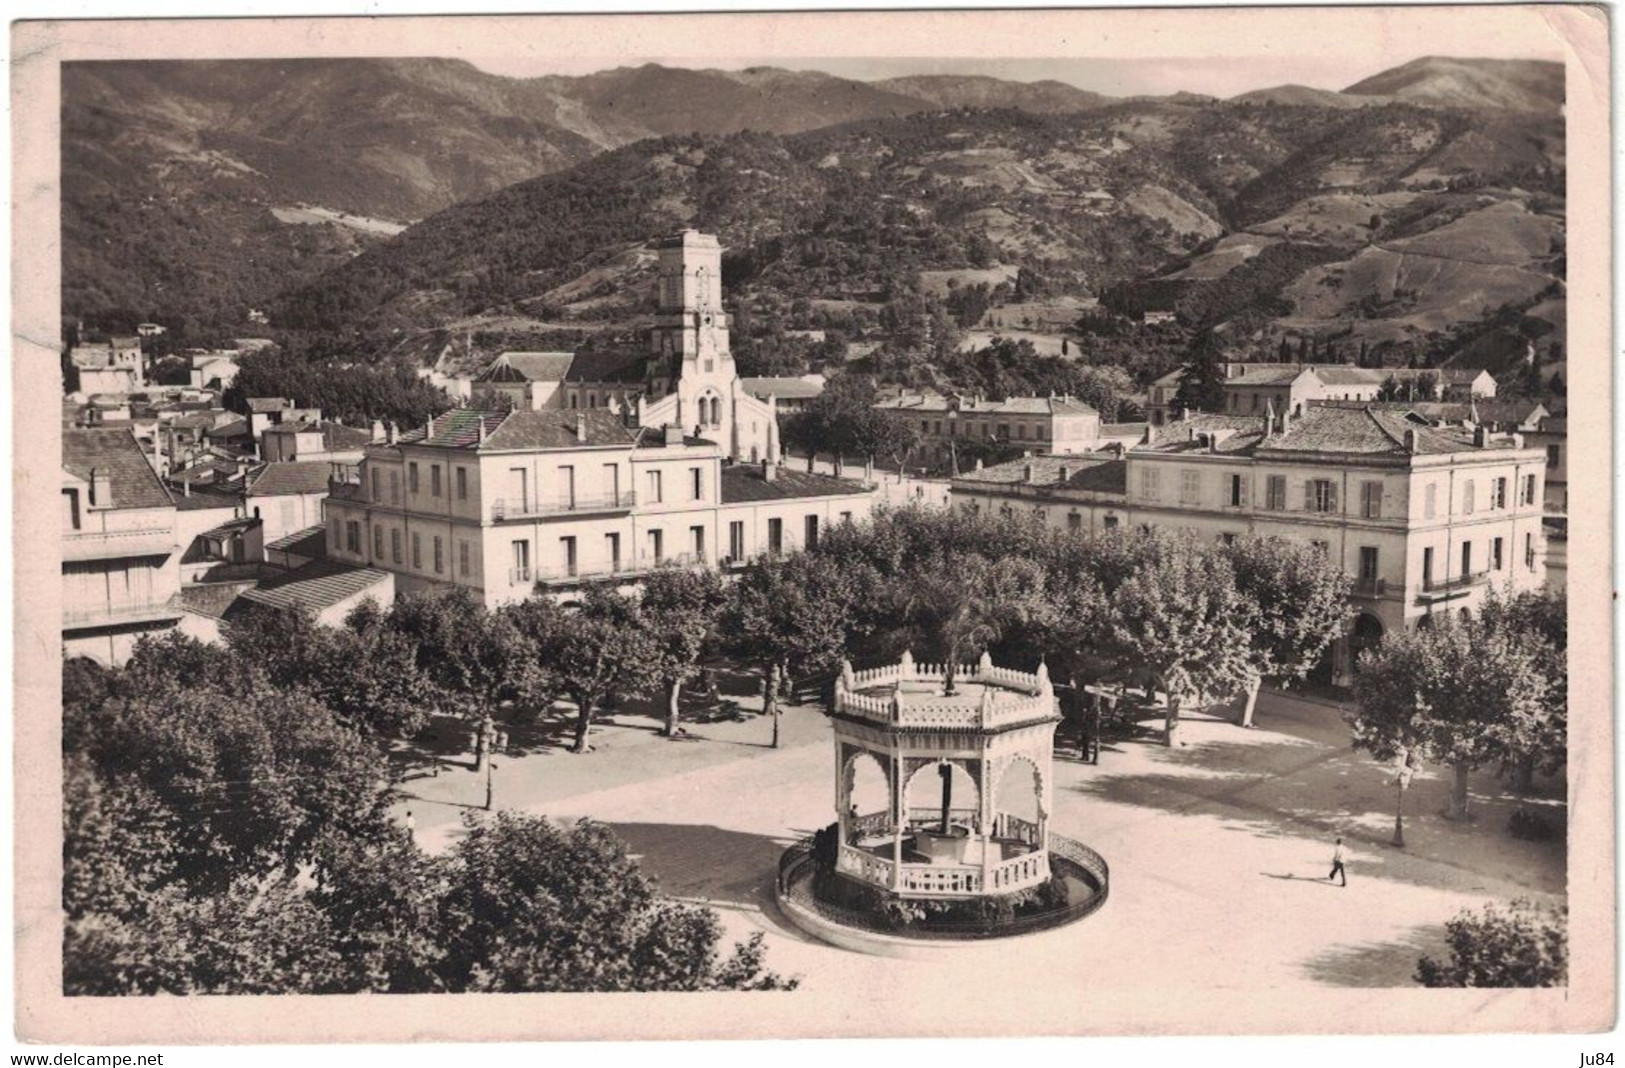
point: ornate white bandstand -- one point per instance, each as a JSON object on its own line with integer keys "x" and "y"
{"x": 998, "y": 723}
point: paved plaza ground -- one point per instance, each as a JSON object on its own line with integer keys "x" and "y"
{"x": 1218, "y": 848}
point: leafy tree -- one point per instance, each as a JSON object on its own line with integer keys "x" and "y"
{"x": 475, "y": 659}
{"x": 601, "y": 650}
{"x": 1453, "y": 693}
{"x": 959, "y": 602}
{"x": 1538, "y": 618}
{"x": 791, "y": 616}
{"x": 1297, "y": 602}
{"x": 1201, "y": 385}
{"x": 530, "y": 906}
{"x": 679, "y": 606}
{"x": 1180, "y": 618}
{"x": 252, "y": 936}
{"x": 1519, "y": 946}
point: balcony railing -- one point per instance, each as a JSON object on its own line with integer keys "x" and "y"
{"x": 112, "y": 544}
{"x": 577, "y": 504}
{"x": 1439, "y": 589}
{"x": 1370, "y": 586}
{"x": 108, "y": 615}
{"x": 641, "y": 565}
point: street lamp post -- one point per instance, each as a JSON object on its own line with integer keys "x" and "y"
{"x": 499, "y": 743}
{"x": 1402, "y": 779}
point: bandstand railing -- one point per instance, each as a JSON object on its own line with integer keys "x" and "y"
{"x": 795, "y": 885}
{"x": 920, "y": 815}
{"x": 1009, "y": 697}
{"x": 873, "y": 823}
{"x": 861, "y": 864}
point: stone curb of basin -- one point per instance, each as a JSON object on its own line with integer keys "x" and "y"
{"x": 883, "y": 945}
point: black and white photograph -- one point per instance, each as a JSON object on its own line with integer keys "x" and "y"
{"x": 883, "y": 524}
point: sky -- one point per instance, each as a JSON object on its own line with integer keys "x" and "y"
{"x": 1220, "y": 77}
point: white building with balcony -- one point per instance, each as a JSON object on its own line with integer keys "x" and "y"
{"x": 1424, "y": 520}
{"x": 120, "y": 549}
{"x": 508, "y": 503}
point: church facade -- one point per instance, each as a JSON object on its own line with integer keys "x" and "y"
{"x": 686, "y": 379}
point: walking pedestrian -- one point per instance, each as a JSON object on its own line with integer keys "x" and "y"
{"x": 411, "y": 824}
{"x": 1338, "y": 871}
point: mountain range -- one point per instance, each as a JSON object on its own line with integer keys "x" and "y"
{"x": 195, "y": 190}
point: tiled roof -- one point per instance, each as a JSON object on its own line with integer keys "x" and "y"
{"x": 937, "y": 402}
{"x": 1450, "y": 376}
{"x": 623, "y": 366}
{"x": 237, "y": 428}
{"x": 261, "y": 405}
{"x": 335, "y": 436}
{"x": 286, "y": 478}
{"x": 1268, "y": 376}
{"x": 548, "y": 429}
{"x": 1096, "y": 473}
{"x": 456, "y": 429}
{"x": 742, "y": 483}
{"x": 1361, "y": 430}
{"x": 133, "y": 481}
{"x": 528, "y": 367}
{"x": 1240, "y": 434}
{"x": 1350, "y": 376}
{"x": 202, "y": 499}
{"x": 1118, "y": 430}
{"x": 1367, "y": 429}
{"x": 299, "y": 542}
{"x": 319, "y": 584}
{"x": 210, "y": 599}
{"x": 783, "y": 388}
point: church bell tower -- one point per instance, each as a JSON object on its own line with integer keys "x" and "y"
{"x": 690, "y": 335}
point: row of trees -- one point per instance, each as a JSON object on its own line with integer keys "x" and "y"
{"x": 227, "y": 830}
{"x": 1468, "y": 693}
{"x": 354, "y": 392}
{"x": 1175, "y": 612}
{"x": 843, "y": 421}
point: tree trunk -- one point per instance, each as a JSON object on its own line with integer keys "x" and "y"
{"x": 1254, "y": 684}
{"x": 584, "y": 712}
{"x": 812, "y": 458}
{"x": 1458, "y": 794}
{"x": 482, "y": 742}
{"x": 674, "y": 695}
{"x": 1399, "y": 813}
{"x": 1524, "y": 778}
{"x": 1170, "y": 731}
{"x": 837, "y": 465}
{"x": 770, "y": 699}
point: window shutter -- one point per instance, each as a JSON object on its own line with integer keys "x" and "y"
{"x": 1331, "y": 496}
{"x": 1309, "y": 495}
{"x": 1244, "y": 485}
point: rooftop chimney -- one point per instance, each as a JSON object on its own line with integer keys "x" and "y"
{"x": 978, "y": 463}
{"x": 1064, "y": 473}
{"x": 1286, "y": 421}
{"x": 1481, "y": 436}
{"x": 581, "y": 426}
{"x": 1026, "y": 472}
{"x": 1410, "y": 440}
{"x": 1517, "y": 441}
{"x": 394, "y": 433}
{"x": 101, "y": 487}
{"x": 770, "y": 471}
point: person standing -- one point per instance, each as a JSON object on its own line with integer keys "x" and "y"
{"x": 1338, "y": 871}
